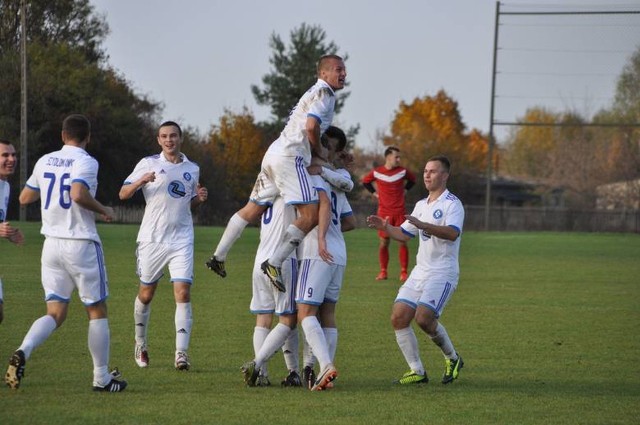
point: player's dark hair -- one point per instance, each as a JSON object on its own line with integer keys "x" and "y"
{"x": 390, "y": 150}
{"x": 443, "y": 160}
{"x": 337, "y": 133}
{"x": 77, "y": 127}
{"x": 324, "y": 60}
{"x": 169, "y": 124}
{"x": 5, "y": 142}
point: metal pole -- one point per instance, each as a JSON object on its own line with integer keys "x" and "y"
{"x": 487, "y": 206}
{"x": 23, "y": 103}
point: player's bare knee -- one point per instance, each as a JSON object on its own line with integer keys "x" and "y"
{"x": 251, "y": 212}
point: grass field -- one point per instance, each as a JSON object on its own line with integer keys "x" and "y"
{"x": 548, "y": 325}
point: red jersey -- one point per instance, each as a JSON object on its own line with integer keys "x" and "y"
{"x": 390, "y": 185}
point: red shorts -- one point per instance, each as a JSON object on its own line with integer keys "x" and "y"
{"x": 394, "y": 220}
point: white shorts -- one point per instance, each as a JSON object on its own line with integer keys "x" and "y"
{"x": 286, "y": 176}
{"x": 68, "y": 264}
{"x": 433, "y": 293}
{"x": 266, "y": 298}
{"x": 153, "y": 257}
{"x": 319, "y": 282}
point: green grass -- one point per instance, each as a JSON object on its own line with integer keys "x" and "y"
{"x": 548, "y": 324}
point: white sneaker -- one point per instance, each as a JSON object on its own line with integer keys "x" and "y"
{"x": 141, "y": 355}
{"x": 182, "y": 360}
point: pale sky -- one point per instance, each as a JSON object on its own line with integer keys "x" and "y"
{"x": 199, "y": 57}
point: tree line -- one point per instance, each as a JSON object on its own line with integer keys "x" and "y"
{"x": 68, "y": 71}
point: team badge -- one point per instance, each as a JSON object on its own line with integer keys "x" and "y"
{"x": 187, "y": 176}
{"x": 437, "y": 214}
{"x": 176, "y": 189}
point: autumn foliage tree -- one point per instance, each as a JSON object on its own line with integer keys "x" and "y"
{"x": 432, "y": 125}
{"x": 559, "y": 150}
{"x": 235, "y": 146}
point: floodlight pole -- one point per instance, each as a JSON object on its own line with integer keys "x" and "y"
{"x": 487, "y": 206}
{"x": 23, "y": 103}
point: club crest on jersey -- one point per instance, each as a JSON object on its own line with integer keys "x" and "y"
{"x": 187, "y": 176}
{"x": 176, "y": 189}
{"x": 437, "y": 214}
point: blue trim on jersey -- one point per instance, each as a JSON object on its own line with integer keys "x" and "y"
{"x": 407, "y": 233}
{"x": 57, "y": 298}
{"x": 316, "y": 117}
{"x": 80, "y": 181}
{"x": 456, "y": 228}
{"x": 347, "y": 214}
{"x": 37, "y": 189}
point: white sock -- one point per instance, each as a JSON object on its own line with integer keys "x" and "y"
{"x": 290, "y": 351}
{"x": 184, "y": 321}
{"x": 292, "y": 238}
{"x": 98, "y": 341}
{"x": 272, "y": 343}
{"x": 231, "y": 233}
{"x": 259, "y": 336}
{"x": 408, "y": 344}
{"x": 141, "y": 314}
{"x": 315, "y": 337}
{"x": 443, "y": 341}
{"x": 308, "y": 359}
{"x": 331, "y": 335}
{"x": 40, "y": 330}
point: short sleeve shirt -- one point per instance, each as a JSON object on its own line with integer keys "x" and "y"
{"x": 52, "y": 176}
{"x": 437, "y": 255}
{"x": 167, "y": 215}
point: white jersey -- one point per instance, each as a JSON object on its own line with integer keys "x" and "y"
{"x": 52, "y": 176}
{"x": 318, "y": 102}
{"x": 335, "y": 241}
{"x": 5, "y": 190}
{"x": 167, "y": 215}
{"x": 274, "y": 222}
{"x": 435, "y": 255}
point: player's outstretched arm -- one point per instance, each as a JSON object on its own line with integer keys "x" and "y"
{"x": 379, "y": 223}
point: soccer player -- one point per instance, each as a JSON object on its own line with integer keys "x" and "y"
{"x": 391, "y": 182}
{"x": 283, "y": 171}
{"x": 437, "y": 220}
{"x": 65, "y": 181}
{"x": 169, "y": 183}
{"x": 323, "y": 259}
{"x": 8, "y": 161}
{"x": 267, "y": 301}
{"x": 275, "y": 221}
